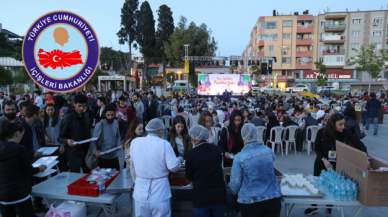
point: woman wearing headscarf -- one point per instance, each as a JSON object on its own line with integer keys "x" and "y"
{"x": 28, "y": 98}
{"x": 253, "y": 166}
{"x": 63, "y": 111}
{"x": 230, "y": 142}
{"x": 203, "y": 168}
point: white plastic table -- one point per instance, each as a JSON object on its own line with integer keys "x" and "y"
{"x": 56, "y": 188}
{"x": 291, "y": 203}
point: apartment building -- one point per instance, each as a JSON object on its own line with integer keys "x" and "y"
{"x": 290, "y": 39}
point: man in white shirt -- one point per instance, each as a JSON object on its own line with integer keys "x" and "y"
{"x": 38, "y": 101}
{"x": 152, "y": 158}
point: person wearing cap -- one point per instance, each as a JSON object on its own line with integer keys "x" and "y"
{"x": 253, "y": 166}
{"x": 108, "y": 134}
{"x": 203, "y": 168}
{"x": 152, "y": 158}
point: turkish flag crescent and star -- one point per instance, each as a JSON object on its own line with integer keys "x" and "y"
{"x": 58, "y": 58}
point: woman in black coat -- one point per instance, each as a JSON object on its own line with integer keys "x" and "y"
{"x": 16, "y": 172}
{"x": 352, "y": 124}
{"x": 325, "y": 142}
{"x": 272, "y": 122}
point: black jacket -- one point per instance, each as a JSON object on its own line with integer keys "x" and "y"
{"x": 27, "y": 139}
{"x": 322, "y": 147}
{"x": 203, "y": 168}
{"x": 373, "y": 108}
{"x": 75, "y": 128}
{"x": 152, "y": 109}
{"x": 15, "y": 172}
{"x": 97, "y": 114}
{"x": 354, "y": 127}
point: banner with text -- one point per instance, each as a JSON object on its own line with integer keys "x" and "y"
{"x": 215, "y": 84}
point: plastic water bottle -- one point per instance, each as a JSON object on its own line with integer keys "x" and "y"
{"x": 337, "y": 191}
{"x": 349, "y": 192}
{"x": 101, "y": 187}
{"x": 320, "y": 182}
{"x": 355, "y": 191}
{"x": 343, "y": 191}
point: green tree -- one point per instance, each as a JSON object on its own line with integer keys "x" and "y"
{"x": 6, "y": 49}
{"x": 193, "y": 80}
{"x": 198, "y": 37}
{"x": 119, "y": 59}
{"x": 163, "y": 36}
{"x": 256, "y": 71}
{"x": 370, "y": 60}
{"x": 94, "y": 79}
{"x": 6, "y": 77}
{"x": 171, "y": 78}
{"x": 146, "y": 34}
{"x": 22, "y": 77}
{"x": 128, "y": 31}
{"x": 322, "y": 77}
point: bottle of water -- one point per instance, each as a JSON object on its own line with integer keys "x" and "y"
{"x": 101, "y": 187}
{"x": 349, "y": 191}
{"x": 337, "y": 191}
{"x": 320, "y": 182}
{"x": 343, "y": 191}
{"x": 355, "y": 191}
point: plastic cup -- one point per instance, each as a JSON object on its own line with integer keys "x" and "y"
{"x": 283, "y": 181}
{"x": 299, "y": 184}
{"x": 314, "y": 191}
{"x": 303, "y": 179}
{"x": 299, "y": 175}
{"x": 292, "y": 183}
{"x": 292, "y": 176}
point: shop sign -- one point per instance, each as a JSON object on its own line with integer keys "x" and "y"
{"x": 332, "y": 74}
{"x": 280, "y": 78}
{"x": 111, "y": 78}
{"x": 382, "y": 80}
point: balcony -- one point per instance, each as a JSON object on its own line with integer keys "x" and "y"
{"x": 334, "y": 39}
{"x": 261, "y": 43}
{"x": 334, "y": 52}
{"x": 307, "y": 53}
{"x": 304, "y": 29}
{"x": 335, "y": 28}
{"x": 260, "y": 53}
{"x": 303, "y": 65}
{"x": 334, "y": 61}
{"x": 307, "y": 41}
{"x": 335, "y": 17}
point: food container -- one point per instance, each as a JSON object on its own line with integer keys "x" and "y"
{"x": 298, "y": 186}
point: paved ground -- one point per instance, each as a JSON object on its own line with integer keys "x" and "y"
{"x": 301, "y": 163}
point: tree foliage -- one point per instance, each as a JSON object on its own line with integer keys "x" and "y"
{"x": 171, "y": 78}
{"x": 94, "y": 79}
{"x": 198, "y": 37}
{"x": 322, "y": 77}
{"x": 193, "y": 80}
{"x": 22, "y": 77}
{"x": 163, "y": 35}
{"x": 6, "y": 77}
{"x": 119, "y": 59}
{"x": 128, "y": 31}
{"x": 370, "y": 60}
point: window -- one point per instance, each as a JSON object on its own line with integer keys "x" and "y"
{"x": 287, "y": 22}
{"x": 356, "y": 21}
{"x": 268, "y": 36}
{"x": 355, "y": 46}
{"x": 378, "y": 20}
{"x": 355, "y": 33}
{"x": 377, "y": 46}
{"x": 254, "y": 42}
{"x": 286, "y": 60}
{"x": 269, "y": 25}
{"x": 323, "y": 23}
{"x": 321, "y": 47}
{"x": 271, "y": 48}
{"x": 289, "y": 72}
{"x": 386, "y": 74}
{"x": 286, "y": 49}
{"x": 287, "y": 36}
{"x": 284, "y": 72}
{"x": 320, "y": 59}
{"x": 311, "y": 36}
{"x": 376, "y": 33}
{"x": 334, "y": 59}
{"x": 321, "y": 35}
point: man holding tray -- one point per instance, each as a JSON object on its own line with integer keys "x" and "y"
{"x": 107, "y": 132}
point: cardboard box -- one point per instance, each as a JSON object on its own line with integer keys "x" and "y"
{"x": 372, "y": 185}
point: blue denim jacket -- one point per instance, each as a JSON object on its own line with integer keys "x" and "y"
{"x": 253, "y": 176}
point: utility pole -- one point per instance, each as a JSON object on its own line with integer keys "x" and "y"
{"x": 187, "y": 58}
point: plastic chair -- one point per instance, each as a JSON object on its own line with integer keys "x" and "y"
{"x": 261, "y": 131}
{"x": 257, "y": 110}
{"x": 291, "y": 137}
{"x": 218, "y": 129}
{"x": 226, "y": 123}
{"x": 193, "y": 120}
{"x": 320, "y": 105}
{"x": 314, "y": 130}
{"x": 167, "y": 122}
{"x": 221, "y": 118}
{"x": 186, "y": 117}
{"x": 278, "y": 138}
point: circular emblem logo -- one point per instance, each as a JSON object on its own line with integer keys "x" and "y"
{"x": 61, "y": 51}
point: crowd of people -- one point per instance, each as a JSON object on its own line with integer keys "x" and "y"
{"x": 225, "y": 135}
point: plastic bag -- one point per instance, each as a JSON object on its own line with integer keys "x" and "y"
{"x": 68, "y": 209}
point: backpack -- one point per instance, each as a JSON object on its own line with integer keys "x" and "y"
{"x": 91, "y": 160}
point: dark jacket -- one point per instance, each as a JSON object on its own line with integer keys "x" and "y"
{"x": 27, "y": 139}
{"x": 224, "y": 144}
{"x": 354, "y": 127}
{"x": 97, "y": 115}
{"x": 152, "y": 109}
{"x": 289, "y": 123}
{"x": 270, "y": 125}
{"x": 75, "y": 128}
{"x": 322, "y": 147}
{"x": 16, "y": 172}
{"x": 203, "y": 168}
{"x": 258, "y": 122}
{"x": 310, "y": 121}
{"x": 186, "y": 144}
{"x": 373, "y": 108}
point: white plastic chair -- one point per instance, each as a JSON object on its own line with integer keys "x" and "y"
{"x": 226, "y": 123}
{"x": 333, "y": 106}
{"x": 221, "y": 118}
{"x": 320, "y": 105}
{"x": 186, "y": 117}
{"x": 257, "y": 110}
{"x": 218, "y": 129}
{"x": 193, "y": 120}
{"x": 261, "y": 131}
{"x": 167, "y": 122}
{"x": 314, "y": 130}
{"x": 291, "y": 137}
{"x": 278, "y": 138}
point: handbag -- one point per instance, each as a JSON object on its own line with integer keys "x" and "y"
{"x": 91, "y": 160}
